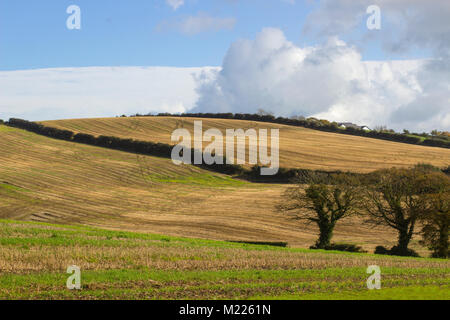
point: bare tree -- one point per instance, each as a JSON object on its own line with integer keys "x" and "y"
{"x": 323, "y": 204}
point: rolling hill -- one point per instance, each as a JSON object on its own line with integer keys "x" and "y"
{"x": 48, "y": 180}
{"x": 299, "y": 147}
{"x": 64, "y": 203}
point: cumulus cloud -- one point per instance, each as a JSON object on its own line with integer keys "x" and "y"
{"x": 96, "y": 91}
{"x": 332, "y": 81}
{"x": 175, "y": 4}
{"x": 432, "y": 104}
{"x": 406, "y": 24}
{"x": 329, "y": 81}
{"x": 202, "y": 22}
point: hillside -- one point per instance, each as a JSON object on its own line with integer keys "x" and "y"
{"x": 43, "y": 179}
{"x": 123, "y": 265}
{"x": 299, "y": 147}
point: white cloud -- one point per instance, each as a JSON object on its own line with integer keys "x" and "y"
{"x": 329, "y": 81}
{"x": 175, "y": 4}
{"x": 96, "y": 91}
{"x": 202, "y": 22}
{"x": 407, "y": 25}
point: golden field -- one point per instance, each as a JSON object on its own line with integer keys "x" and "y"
{"x": 299, "y": 147}
{"x": 48, "y": 180}
{"x": 64, "y": 203}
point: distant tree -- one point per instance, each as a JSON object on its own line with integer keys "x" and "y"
{"x": 263, "y": 112}
{"x": 380, "y": 128}
{"x": 323, "y": 204}
{"x": 435, "y": 133}
{"x": 297, "y": 118}
{"x": 406, "y": 131}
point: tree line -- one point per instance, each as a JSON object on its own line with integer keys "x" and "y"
{"x": 129, "y": 145}
{"x": 397, "y": 198}
{"x": 322, "y": 125}
{"x": 284, "y": 175}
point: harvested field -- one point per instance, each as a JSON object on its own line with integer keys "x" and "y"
{"x": 299, "y": 147}
{"x": 124, "y": 265}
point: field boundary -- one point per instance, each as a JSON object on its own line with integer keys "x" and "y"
{"x": 283, "y": 176}
{"x": 320, "y": 125}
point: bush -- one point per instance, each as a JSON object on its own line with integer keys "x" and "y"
{"x": 40, "y": 129}
{"x": 396, "y": 251}
{"x": 381, "y": 250}
{"x": 347, "y": 247}
{"x": 85, "y": 138}
{"x": 264, "y": 243}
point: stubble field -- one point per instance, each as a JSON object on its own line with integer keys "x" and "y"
{"x": 140, "y": 227}
{"x": 299, "y": 147}
{"x": 123, "y": 265}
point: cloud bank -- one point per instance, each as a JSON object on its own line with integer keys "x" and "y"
{"x": 330, "y": 79}
{"x": 97, "y": 91}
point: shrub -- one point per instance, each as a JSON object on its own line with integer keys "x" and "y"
{"x": 381, "y": 250}
{"x": 347, "y": 247}
{"x": 396, "y": 251}
{"x": 85, "y": 138}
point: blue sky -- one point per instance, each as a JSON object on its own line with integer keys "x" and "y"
{"x": 33, "y": 34}
{"x": 291, "y": 57}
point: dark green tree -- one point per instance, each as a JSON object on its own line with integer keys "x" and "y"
{"x": 323, "y": 204}
{"x": 436, "y": 217}
{"x": 395, "y": 198}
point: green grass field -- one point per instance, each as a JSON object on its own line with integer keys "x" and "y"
{"x": 124, "y": 265}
